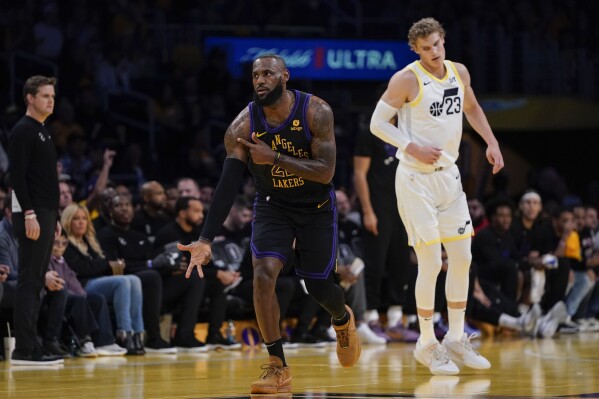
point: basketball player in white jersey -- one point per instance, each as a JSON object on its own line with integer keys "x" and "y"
{"x": 429, "y": 97}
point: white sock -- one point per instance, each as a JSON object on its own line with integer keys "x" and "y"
{"x": 371, "y": 316}
{"x": 456, "y": 323}
{"x": 505, "y": 320}
{"x": 427, "y": 331}
{"x": 394, "y": 316}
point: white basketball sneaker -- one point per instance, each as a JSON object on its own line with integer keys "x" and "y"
{"x": 463, "y": 353}
{"x": 434, "y": 356}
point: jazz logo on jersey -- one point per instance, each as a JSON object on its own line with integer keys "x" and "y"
{"x": 450, "y": 103}
{"x": 296, "y": 125}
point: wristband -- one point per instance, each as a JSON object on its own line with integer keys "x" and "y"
{"x": 277, "y": 158}
{"x": 31, "y": 216}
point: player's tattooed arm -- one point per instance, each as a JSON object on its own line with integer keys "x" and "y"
{"x": 321, "y": 166}
{"x": 239, "y": 128}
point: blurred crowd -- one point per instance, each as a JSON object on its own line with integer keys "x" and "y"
{"x": 122, "y": 208}
{"x": 154, "y": 48}
{"x": 116, "y": 270}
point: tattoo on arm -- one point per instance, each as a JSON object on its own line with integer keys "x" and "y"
{"x": 240, "y": 127}
{"x": 321, "y": 167}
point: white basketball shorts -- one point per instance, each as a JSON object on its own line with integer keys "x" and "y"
{"x": 432, "y": 205}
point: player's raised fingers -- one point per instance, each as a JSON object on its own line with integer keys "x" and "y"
{"x": 189, "y": 270}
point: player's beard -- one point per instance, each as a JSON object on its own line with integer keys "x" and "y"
{"x": 271, "y": 97}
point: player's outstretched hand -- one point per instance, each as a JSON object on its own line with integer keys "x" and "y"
{"x": 201, "y": 252}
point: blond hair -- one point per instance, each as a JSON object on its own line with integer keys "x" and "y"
{"x": 423, "y": 28}
{"x": 68, "y": 214}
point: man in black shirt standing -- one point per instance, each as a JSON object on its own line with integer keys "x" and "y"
{"x": 386, "y": 250}
{"x": 34, "y": 179}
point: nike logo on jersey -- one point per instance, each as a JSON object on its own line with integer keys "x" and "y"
{"x": 321, "y": 205}
{"x": 260, "y": 134}
{"x": 425, "y": 83}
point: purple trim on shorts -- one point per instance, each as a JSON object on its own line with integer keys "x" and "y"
{"x": 304, "y": 115}
{"x": 255, "y": 251}
{"x": 333, "y": 259}
{"x": 274, "y": 129}
{"x": 267, "y": 254}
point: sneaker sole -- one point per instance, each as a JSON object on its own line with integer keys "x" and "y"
{"x": 200, "y": 349}
{"x": 461, "y": 364}
{"x": 262, "y": 391}
{"x": 435, "y": 372}
{"x": 168, "y": 351}
{"x": 223, "y": 347}
{"x": 265, "y": 390}
{"x": 19, "y": 362}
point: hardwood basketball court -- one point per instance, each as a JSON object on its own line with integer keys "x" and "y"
{"x": 567, "y": 366}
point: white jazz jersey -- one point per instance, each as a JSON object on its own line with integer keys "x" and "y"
{"x": 434, "y": 117}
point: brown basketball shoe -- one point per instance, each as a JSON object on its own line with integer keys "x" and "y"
{"x": 348, "y": 343}
{"x": 275, "y": 378}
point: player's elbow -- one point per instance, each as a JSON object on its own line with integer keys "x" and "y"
{"x": 326, "y": 176}
{"x": 375, "y": 128}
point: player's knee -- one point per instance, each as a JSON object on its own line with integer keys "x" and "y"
{"x": 468, "y": 258}
{"x": 430, "y": 270}
{"x": 264, "y": 278}
{"x": 461, "y": 260}
{"x": 459, "y": 254}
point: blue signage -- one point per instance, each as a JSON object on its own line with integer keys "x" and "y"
{"x": 319, "y": 59}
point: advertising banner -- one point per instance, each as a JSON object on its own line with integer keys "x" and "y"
{"x": 319, "y": 59}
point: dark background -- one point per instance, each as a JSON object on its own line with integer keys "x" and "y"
{"x": 130, "y": 70}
